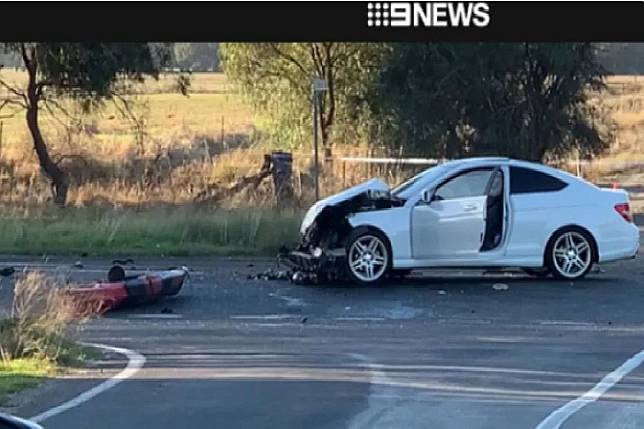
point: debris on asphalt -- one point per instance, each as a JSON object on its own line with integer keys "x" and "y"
{"x": 500, "y": 286}
{"x": 271, "y": 274}
{"x": 442, "y": 292}
{"x": 6, "y": 272}
{"x": 304, "y": 320}
{"x": 78, "y": 264}
{"x": 127, "y": 261}
{"x": 166, "y": 310}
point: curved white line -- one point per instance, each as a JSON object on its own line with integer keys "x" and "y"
{"x": 135, "y": 363}
{"x": 559, "y": 416}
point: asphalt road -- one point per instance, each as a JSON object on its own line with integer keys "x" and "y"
{"x": 446, "y": 350}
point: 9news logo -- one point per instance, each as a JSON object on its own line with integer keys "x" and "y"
{"x": 429, "y": 14}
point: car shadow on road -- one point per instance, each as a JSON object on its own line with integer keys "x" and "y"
{"x": 497, "y": 282}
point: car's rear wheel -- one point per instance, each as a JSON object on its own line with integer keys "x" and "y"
{"x": 569, "y": 255}
{"x": 368, "y": 257}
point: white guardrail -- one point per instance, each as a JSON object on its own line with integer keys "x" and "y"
{"x": 434, "y": 161}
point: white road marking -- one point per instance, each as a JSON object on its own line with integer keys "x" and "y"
{"x": 134, "y": 364}
{"x": 559, "y": 416}
{"x": 377, "y": 405}
{"x": 357, "y": 318}
{"x": 155, "y": 316}
{"x": 264, "y": 316}
{"x": 290, "y": 301}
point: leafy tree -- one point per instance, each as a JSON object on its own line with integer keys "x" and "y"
{"x": 525, "y": 100}
{"x": 278, "y": 77}
{"x": 85, "y": 72}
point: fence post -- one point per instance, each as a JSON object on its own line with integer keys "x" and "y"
{"x": 282, "y": 171}
{"x": 223, "y": 143}
{"x": 344, "y": 174}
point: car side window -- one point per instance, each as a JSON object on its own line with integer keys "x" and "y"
{"x": 469, "y": 184}
{"x": 526, "y": 180}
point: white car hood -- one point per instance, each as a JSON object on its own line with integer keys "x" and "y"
{"x": 314, "y": 211}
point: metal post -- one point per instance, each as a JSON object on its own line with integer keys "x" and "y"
{"x": 315, "y": 144}
{"x": 319, "y": 85}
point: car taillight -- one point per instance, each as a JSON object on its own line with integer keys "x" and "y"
{"x": 625, "y": 211}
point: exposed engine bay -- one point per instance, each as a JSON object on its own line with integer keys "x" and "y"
{"x": 321, "y": 253}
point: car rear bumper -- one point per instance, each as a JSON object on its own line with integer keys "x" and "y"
{"x": 625, "y": 245}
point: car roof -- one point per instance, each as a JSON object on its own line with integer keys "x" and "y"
{"x": 484, "y": 160}
{"x": 487, "y": 160}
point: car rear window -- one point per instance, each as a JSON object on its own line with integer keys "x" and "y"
{"x": 525, "y": 180}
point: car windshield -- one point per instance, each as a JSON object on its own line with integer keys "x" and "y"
{"x": 414, "y": 185}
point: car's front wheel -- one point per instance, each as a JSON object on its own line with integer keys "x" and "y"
{"x": 368, "y": 257}
{"x": 569, "y": 255}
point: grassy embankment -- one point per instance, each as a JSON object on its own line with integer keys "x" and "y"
{"x": 19, "y": 374}
{"x": 35, "y": 340}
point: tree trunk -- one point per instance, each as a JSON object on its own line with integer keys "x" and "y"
{"x": 59, "y": 184}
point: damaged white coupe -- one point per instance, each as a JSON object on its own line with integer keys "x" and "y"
{"x": 474, "y": 213}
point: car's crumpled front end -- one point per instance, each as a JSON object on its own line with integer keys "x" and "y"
{"x": 320, "y": 254}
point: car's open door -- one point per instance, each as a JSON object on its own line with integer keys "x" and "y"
{"x": 451, "y": 225}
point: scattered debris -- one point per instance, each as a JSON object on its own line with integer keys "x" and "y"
{"x": 304, "y": 320}
{"x": 6, "y": 272}
{"x": 500, "y": 286}
{"x": 442, "y": 292}
{"x": 271, "y": 274}
{"x": 78, "y": 264}
{"x": 325, "y": 229}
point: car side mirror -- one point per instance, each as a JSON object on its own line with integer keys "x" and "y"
{"x": 428, "y": 196}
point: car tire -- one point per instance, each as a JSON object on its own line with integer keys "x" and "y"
{"x": 570, "y": 254}
{"x": 539, "y": 273}
{"x": 368, "y": 257}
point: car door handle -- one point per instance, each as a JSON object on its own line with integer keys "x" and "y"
{"x": 470, "y": 207}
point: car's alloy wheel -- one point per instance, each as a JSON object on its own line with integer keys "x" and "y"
{"x": 571, "y": 255}
{"x": 367, "y": 258}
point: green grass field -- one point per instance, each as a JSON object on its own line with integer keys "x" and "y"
{"x": 19, "y": 374}
{"x": 162, "y": 231}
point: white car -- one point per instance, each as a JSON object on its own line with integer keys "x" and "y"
{"x": 475, "y": 212}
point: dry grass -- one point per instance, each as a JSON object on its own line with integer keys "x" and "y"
{"x": 34, "y": 340}
{"x": 39, "y": 320}
{"x": 181, "y": 148}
